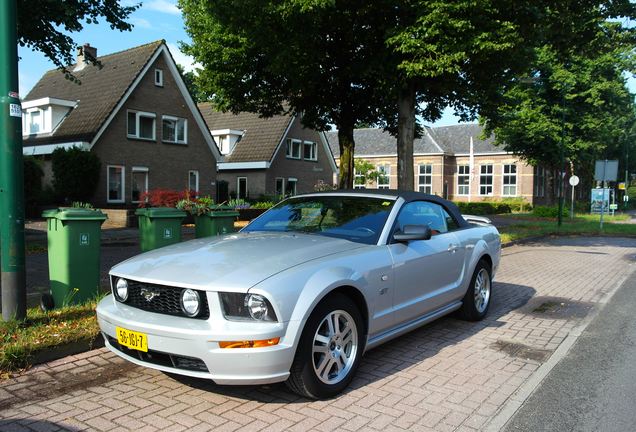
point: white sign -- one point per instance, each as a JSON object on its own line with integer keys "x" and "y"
{"x": 15, "y": 110}
{"x": 606, "y": 170}
{"x": 574, "y": 180}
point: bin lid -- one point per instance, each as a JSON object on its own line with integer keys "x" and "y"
{"x": 69, "y": 213}
{"x": 223, "y": 213}
{"x": 161, "y": 212}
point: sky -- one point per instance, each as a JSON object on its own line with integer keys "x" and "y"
{"x": 156, "y": 19}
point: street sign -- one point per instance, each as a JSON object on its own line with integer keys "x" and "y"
{"x": 600, "y": 200}
{"x": 621, "y": 186}
{"x": 574, "y": 180}
{"x": 613, "y": 206}
{"x": 606, "y": 170}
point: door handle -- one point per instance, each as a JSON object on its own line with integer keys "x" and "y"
{"x": 453, "y": 247}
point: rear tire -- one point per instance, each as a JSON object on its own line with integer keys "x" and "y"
{"x": 329, "y": 349}
{"x": 477, "y": 299}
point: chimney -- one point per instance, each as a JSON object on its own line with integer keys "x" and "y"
{"x": 85, "y": 54}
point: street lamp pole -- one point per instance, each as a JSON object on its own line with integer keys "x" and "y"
{"x": 12, "y": 268}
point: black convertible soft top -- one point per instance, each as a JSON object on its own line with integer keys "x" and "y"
{"x": 408, "y": 196}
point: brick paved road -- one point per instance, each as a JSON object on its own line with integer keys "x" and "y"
{"x": 450, "y": 375}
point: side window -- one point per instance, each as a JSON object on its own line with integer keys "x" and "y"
{"x": 425, "y": 213}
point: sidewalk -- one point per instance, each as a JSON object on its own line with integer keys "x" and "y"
{"x": 450, "y": 375}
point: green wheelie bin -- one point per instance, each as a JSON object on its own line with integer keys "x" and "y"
{"x": 214, "y": 223}
{"x": 159, "y": 227}
{"x": 74, "y": 239}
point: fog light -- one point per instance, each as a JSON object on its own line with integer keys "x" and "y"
{"x": 190, "y": 302}
{"x": 250, "y": 344}
{"x": 121, "y": 289}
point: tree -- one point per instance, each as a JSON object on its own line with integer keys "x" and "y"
{"x": 42, "y": 23}
{"x": 576, "y": 103}
{"x": 366, "y": 172}
{"x": 190, "y": 80}
{"x": 308, "y": 57}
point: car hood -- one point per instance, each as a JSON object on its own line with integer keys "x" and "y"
{"x": 233, "y": 262}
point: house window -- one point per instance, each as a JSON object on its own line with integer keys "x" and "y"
{"x": 174, "y": 130}
{"x": 463, "y": 180}
{"x": 115, "y": 183}
{"x": 539, "y": 181}
{"x": 425, "y": 179}
{"x": 193, "y": 180}
{"x": 384, "y": 176}
{"x": 36, "y": 121}
{"x": 293, "y": 149}
{"x": 141, "y": 125}
{"x": 280, "y": 186}
{"x": 359, "y": 181}
{"x": 224, "y": 144}
{"x": 485, "y": 180}
{"x": 158, "y": 77}
{"x": 291, "y": 186}
{"x": 241, "y": 187}
{"x": 309, "y": 151}
{"x": 509, "y": 180}
{"x": 139, "y": 183}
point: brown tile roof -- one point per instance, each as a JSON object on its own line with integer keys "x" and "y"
{"x": 98, "y": 94}
{"x": 261, "y": 136}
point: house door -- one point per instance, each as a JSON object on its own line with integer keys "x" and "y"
{"x": 222, "y": 194}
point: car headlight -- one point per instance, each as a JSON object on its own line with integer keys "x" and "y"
{"x": 241, "y": 307}
{"x": 121, "y": 289}
{"x": 190, "y": 302}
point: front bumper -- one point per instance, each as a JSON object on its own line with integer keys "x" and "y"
{"x": 171, "y": 336}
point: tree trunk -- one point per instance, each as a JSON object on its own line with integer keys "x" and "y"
{"x": 347, "y": 145}
{"x": 405, "y": 137}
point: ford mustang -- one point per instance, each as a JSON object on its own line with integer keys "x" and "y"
{"x": 300, "y": 293}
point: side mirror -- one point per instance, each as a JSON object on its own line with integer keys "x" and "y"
{"x": 413, "y": 232}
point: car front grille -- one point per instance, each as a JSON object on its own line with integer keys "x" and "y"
{"x": 166, "y": 299}
{"x": 160, "y": 358}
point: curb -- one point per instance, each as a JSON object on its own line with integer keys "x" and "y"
{"x": 516, "y": 400}
{"x": 68, "y": 349}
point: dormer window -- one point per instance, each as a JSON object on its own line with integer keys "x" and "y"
{"x": 158, "y": 77}
{"x": 227, "y": 139}
{"x": 44, "y": 115}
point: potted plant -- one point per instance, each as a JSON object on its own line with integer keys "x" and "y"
{"x": 210, "y": 219}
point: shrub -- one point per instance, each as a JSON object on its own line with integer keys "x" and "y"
{"x": 238, "y": 203}
{"x": 483, "y": 208}
{"x": 197, "y": 206}
{"x": 164, "y": 197}
{"x": 517, "y": 204}
{"x": 549, "y": 211}
{"x": 75, "y": 173}
{"x": 263, "y": 205}
{"x": 32, "y": 185}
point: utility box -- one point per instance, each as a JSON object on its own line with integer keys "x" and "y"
{"x": 74, "y": 240}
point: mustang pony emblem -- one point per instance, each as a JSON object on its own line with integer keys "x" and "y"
{"x": 148, "y": 294}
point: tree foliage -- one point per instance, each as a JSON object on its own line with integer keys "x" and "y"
{"x": 43, "y": 24}
{"x": 190, "y": 80}
{"x": 75, "y": 173}
{"x": 366, "y": 172}
{"x": 321, "y": 58}
{"x": 577, "y": 101}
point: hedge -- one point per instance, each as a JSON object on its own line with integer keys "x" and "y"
{"x": 483, "y": 208}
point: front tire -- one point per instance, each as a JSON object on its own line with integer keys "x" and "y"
{"x": 476, "y": 302}
{"x": 329, "y": 349}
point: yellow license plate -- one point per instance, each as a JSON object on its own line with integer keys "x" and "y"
{"x": 132, "y": 339}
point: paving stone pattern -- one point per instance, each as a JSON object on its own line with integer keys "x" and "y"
{"x": 447, "y": 376}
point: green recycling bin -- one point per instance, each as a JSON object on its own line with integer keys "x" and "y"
{"x": 214, "y": 223}
{"x": 159, "y": 227}
{"x": 74, "y": 239}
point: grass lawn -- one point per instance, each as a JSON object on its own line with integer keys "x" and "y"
{"x": 526, "y": 225}
{"x": 40, "y": 331}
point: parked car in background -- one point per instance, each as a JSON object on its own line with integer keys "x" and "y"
{"x": 301, "y": 292}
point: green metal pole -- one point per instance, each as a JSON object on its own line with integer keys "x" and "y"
{"x": 12, "y": 273}
{"x": 561, "y": 161}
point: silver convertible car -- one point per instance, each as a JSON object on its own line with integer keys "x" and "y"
{"x": 300, "y": 293}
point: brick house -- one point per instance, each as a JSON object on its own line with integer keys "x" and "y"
{"x": 134, "y": 112}
{"x": 442, "y": 164}
{"x": 267, "y": 156}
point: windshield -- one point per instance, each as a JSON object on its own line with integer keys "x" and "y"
{"x": 356, "y": 218}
